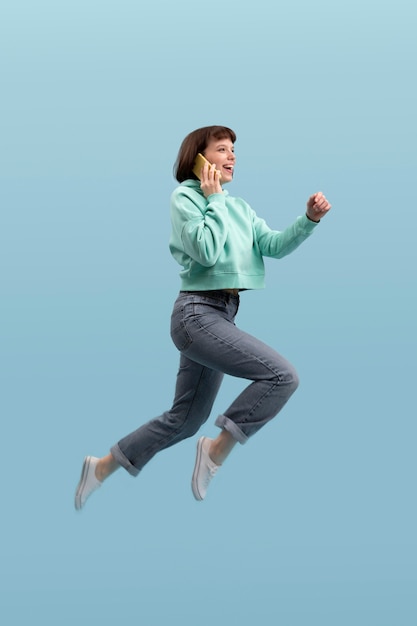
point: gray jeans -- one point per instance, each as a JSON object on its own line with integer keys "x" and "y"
{"x": 203, "y": 330}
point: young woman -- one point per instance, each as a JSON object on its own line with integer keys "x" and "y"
{"x": 220, "y": 243}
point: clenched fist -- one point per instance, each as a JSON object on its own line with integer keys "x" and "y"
{"x": 317, "y": 206}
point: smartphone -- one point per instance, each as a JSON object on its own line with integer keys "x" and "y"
{"x": 199, "y": 163}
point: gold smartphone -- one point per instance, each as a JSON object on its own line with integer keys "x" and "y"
{"x": 199, "y": 163}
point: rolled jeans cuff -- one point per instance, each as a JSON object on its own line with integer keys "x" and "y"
{"x": 224, "y": 422}
{"x": 123, "y": 461}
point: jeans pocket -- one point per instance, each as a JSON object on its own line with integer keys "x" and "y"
{"x": 179, "y": 333}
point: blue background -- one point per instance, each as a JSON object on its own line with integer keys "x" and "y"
{"x": 314, "y": 521}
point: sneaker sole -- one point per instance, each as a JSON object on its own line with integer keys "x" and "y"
{"x": 194, "y": 487}
{"x": 82, "y": 482}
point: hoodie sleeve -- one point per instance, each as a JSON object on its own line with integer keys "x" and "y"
{"x": 277, "y": 244}
{"x": 199, "y": 225}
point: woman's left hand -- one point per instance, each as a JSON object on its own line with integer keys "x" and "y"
{"x": 317, "y": 206}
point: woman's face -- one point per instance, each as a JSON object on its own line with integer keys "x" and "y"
{"x": 221, "y": 152}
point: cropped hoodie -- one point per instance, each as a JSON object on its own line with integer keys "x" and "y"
{"x": 220, "y": 242}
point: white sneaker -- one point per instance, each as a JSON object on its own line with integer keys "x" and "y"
{"x": 204, "y": 469}
{"x": 88, "y": 482}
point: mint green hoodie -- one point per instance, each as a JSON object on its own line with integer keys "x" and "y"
{"x": 220, "y": 241}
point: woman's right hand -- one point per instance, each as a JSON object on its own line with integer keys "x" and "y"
{"x": 210, "y": 180}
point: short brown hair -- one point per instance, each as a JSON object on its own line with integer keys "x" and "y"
{"x": 194, "y": 143}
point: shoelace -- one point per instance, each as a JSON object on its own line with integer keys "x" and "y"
{"x": 210, "y": 473}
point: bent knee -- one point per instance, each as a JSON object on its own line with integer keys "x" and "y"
{"x": 190, "y": 429}
{"x": 295, "y": 380}
{"x": 289, "y": 377}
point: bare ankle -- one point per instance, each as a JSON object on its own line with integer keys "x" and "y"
{"x": 106, "y": 466}
{"x": 99, "y": 471}
{"x": 221, "y": 447}
{"x": 213, "y": 453}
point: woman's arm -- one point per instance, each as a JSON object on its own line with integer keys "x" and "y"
{"x": 278, "y": 244}
{"x": 199, "y": 225}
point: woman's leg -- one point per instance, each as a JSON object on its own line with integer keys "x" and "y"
{"x": 203, "y": 330}
{"x": 106, "y": 466}
{"x": 216, "y": 343}
{"x": 196, "y": 389}
{"x": 221, "y": 447}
